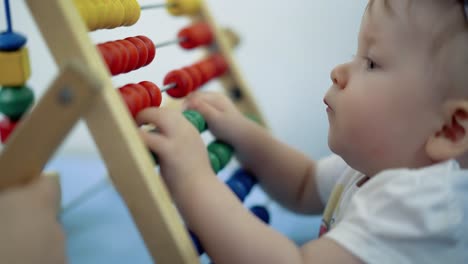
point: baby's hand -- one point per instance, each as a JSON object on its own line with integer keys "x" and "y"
{"x": 181, "y": 152}
{"x": 224, "y": 120}
{"x": 30, "y": 232}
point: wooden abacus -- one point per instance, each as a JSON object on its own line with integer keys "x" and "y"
{"x": 84, "y": 89}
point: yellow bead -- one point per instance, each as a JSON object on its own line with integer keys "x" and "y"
{"x": 92, "y": 14}
{"x": 101, "y": 10}
{"x": 135, "y": 12}
{"x": 127, "y": 11}
{"x": 183, "y": 7}
{"x": 118, "y": 15}
{"x": 104, "y": 20}
{"x": 110, "y": 18}
{"x": 14, "y": 67}
{"x": 88, "y": 13}
{"x": 132, "y": 12}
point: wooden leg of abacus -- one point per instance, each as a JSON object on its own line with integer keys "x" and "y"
{"x": 233, "y": 83}
{"x": 41, "y": 132}
{"x": 115, "y": 133}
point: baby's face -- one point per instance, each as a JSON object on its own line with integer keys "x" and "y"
{"x": 384, "y": 105}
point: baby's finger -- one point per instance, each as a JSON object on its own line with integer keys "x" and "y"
{"x": 217, "y": 100}
{"x": 209, "y": 113}
{"x": 163, "y": 119}
{"x": 47, "y": 191}
{"x": 155, "y": 142}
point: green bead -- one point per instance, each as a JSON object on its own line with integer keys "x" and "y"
{"x": 222, "y": 150}
{"x": 196, "y": 119}
{"x": 15, "y": 101}
{"x": 193, "y": 121}
{"x": 215, "y": 163}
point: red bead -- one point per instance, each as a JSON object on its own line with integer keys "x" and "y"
{"x": 142, "y": 94}
{"x": 134, "y": 56}
{"x": 127, "y": 96}
{"x": 107, "y": 55}
{"x": 204, "y": 77}
{"x": 123, "y": 53}
{"x": 116, "y": 64}
{"x": 142, "y": 51}
{"x": 6, "y": 128}
{"x": 208, "y": 69}
{"x": 132, "y": 99}
{"x": 154, "y": 92}
{"x": 151, "y": 48}
{"x": 220, "y": 64}
{"x": 196, "y": 75}
{"x": 196, "y": 35}
{"x": 183, "y": 81}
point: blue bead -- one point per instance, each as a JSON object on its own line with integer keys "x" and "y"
{"x": 197, "y": 243}
{"x": 238, "y": 188}
{"x": 261, "y": 212}
{"x": 241, "y": 183}
{"x": 245, "y": 177}
{"x": 11, "y": 41}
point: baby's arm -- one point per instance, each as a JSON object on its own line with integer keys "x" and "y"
{"x": 231, "y": 234}
{"x": 228, "y": 232}
{"x": 285, "y": 173}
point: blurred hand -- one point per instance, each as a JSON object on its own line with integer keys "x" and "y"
{"x": 30, "y": 231}
{"x": 224, "y": 120}
{"x": 181, "y": 152}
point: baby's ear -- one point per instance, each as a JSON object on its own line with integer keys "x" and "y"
{"x": 451, "y": 140}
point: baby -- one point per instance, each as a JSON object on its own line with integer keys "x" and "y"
{"x": 396, "y": 189}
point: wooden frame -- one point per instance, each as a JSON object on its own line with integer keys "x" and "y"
{"x": 111, "y": 126}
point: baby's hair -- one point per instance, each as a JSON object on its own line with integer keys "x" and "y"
{"x": 465, "y": 3}
{"x": 449, "y": 45}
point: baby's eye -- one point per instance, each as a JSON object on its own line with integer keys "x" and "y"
{"x": 371, "y": 65}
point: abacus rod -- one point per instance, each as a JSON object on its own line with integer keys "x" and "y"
{"x": 86, "y": 195}
{"x": 8, "y": 16}
{"x": 167, "y": 87}
{"x": 170, "y": 42}
{"x": 154, "y": 6}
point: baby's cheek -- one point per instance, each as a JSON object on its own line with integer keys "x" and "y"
{"x": 365, "y": 130}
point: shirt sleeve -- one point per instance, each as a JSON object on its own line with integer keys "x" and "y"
{"x": 406, "y": 216}
{"x": 329, "y": 170}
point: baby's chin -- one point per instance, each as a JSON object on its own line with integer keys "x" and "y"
{"x": 334, "y": 144}
{"x": 350, "y": 154}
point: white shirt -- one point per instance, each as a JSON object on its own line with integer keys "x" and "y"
{"x": 398, "y": 216}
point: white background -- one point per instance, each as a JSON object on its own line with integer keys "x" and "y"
{"x": 287, "y": 51}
